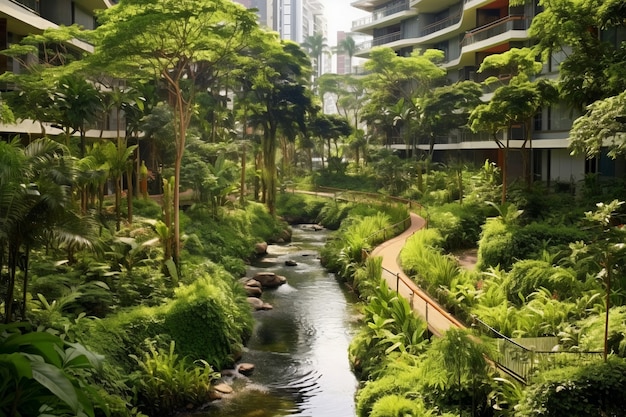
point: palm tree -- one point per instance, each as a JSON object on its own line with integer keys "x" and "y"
{"x": 316, "y": 46}
{"x": 119, "y": 160}
{"x": 348, "y": 47}
{"x": 35, "y": 208}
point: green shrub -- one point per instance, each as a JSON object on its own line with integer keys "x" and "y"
{"x": 591, "y": 331}
{"x": 123, "y": 334}
{"x": 532, "y": 239}
{"x": 398, "y": 406}
{"x": 145, "y": 208}
{"x": 299, "y": 208}
{"x": 193, "y": 245}
{"x": 399, "y": 379}
{"x": 529, "y": 275}
{"x": 460, "y": 225}
{"x": 421, "y": 257}
{"x": 167, "y": 383}
{"x": 592, "y": 390}
{"x": 496, "y": 246}
{"x": 209, "y": 319}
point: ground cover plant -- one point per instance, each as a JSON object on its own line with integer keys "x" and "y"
{"x": 548, "y": 286}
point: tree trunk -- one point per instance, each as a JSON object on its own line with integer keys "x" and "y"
{"x": 269, "y": 167}
{"x": 26, "y": 259}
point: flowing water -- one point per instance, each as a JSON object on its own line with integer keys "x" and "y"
{"x": 300, "y": 348}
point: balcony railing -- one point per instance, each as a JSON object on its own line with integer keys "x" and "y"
{"x": 381, "y": 40}
{"x": 442, "y": 24}
{"x": 32, "y": 5}
{"x": 382, "y": 13}
{"x": 500, "y": 26}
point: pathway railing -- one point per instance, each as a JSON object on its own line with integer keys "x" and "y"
{"x": 511, "y": 357}
{"x": 437, "y": 319}
{"x": 520, "y": 361}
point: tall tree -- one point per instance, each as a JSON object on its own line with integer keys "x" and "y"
{"x": 393, "y": 78}
{"x": 604, "y": 124}
{"x": 78, "y": 103}
{"x": 275, "y": 77}
{"x": 316, "y": 47}
{"x": 329, "y": 128}
{"x": 43, "y": 58}
{"x": 512, "y": 104}
{"x": 186, "y": 44}
{"x": 348, "y": 46}
{"x": 447, "y": 108}
{"x": 583, "y": 36}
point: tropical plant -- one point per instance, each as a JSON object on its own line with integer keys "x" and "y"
{"x": 78, "y": 103}
{"x": 457, "y": 358}
{"x": 167, "y": 383}
{"x": 188, "y": 45}
{"x": 578, "y": 391}
{"x": 36, "y": 209}
{"x": 41, "y": 374}
{"x": 392, "y": 330}
{"x": 316, "y": 47}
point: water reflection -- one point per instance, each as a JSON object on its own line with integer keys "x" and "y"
{"x": 300, "y": 348}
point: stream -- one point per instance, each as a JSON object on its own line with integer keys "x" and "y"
{"x": 300, "y": 347}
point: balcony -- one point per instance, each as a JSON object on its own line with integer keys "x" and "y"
{"x": 32, "y": 5}
{"x": 381, "y": 40}
{"x": 381, "y": 14}
{"x": 442, "y": 24}
{"x": 498, "y": 27}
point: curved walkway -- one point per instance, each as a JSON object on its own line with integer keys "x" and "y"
{"x": 436, "y": 317}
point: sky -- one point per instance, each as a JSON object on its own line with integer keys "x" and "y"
{"x": 340, "y": 15}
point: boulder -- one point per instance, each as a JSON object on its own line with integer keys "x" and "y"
{"x": 257, "y": 304}
{"x": 223, "y": 388}
{"x": 270, "y": 279}
{"x": 253, "y": 288}
{"x": 260, "y": 248}
{"x": 245, "y": 368}
{"x": 291, "y": 262}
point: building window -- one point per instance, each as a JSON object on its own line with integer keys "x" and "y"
{"x": 591, "y": 166}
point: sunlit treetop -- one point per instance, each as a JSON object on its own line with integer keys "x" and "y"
{"x": 146, "y": 36}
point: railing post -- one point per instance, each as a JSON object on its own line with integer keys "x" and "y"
{"x": 397, "y": 283}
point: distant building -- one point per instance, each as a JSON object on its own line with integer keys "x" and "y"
{"x": 467, "y": 32}
{"x": 292, "y": 19}
{"x": 19, "y": 18}
{"x": 344, "y": 65}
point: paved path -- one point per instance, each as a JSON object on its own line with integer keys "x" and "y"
{"x": 437, "y": 318}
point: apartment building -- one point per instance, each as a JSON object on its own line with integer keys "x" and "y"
{"x": 19, "y": 18}
{"x": 467, "y": 31}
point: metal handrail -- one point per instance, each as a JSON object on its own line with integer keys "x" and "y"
{"x": 520, "y": 361}
{"x": 512, "y": 358}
